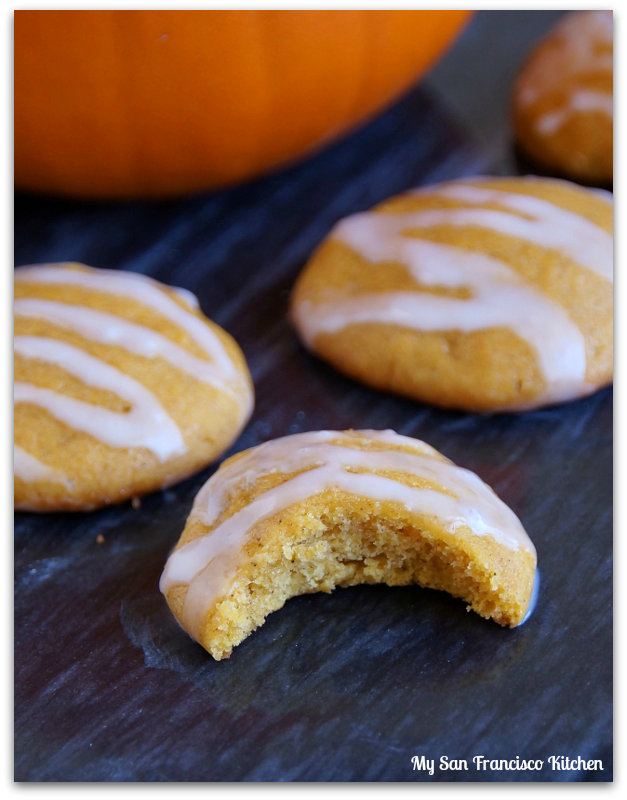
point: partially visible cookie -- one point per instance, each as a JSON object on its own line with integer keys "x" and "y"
{"x": 122, "y": 386}
{"x": 487, "y": 294}
{"x": 563, "y": 99}
{"x": 317, "y": 510}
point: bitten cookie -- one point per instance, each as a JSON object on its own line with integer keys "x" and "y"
{"x": 563, "y": 99}
{"x": 122, "y": 386}
{"x": 313, "y": 511}
{"x": 488, "y": 294}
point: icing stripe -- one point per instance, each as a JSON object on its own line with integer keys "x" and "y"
{"x": 550, "y": 226}
{"x": 109, "y": 329}
{"x": 208, "y": 564}
{"x": 211, "y": 499}
{"x": 30, "y": 469}
{"x": 580, "y": 101}
{"x": 603, "y": 193}
{"x": 143, "y": 290}
{"x": 145, "y": 425}
{"x": 581, "y": 48}
{"x": 501, "y": 299}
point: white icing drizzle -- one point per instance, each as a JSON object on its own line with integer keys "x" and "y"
{"x": 145, "y": 425}
{"x": 578, "y": 102}
{"x": 603, "y": 193}
{"x": 208, "y": 565}
{"x": 143, "y": 290}
{"x": 580, "y": 47}
{"x": 549, "y": 225}
{"x": 112, "y": 330}
{"x": 210, "y": 500}
{"x": 185, "y": 294}
{"x": 30, "y": 469}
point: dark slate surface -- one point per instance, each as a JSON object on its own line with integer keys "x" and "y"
{"x": 343, "y": 687}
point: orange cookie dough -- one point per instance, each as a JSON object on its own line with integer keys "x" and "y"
{"x": 122, "y": 386}
{"x": 317, "y": 510}
{"x": 487, "y": 294}
{"x": 563, "y": 99}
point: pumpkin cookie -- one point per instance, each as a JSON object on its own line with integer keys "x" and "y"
{"x": 489, "y": 294}
{"x": 563, "y": 99}
{"x": 313, "y": 511}
{"x": 122, "y": 386}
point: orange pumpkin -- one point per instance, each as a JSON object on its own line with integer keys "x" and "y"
{"x": 144, "y": 104}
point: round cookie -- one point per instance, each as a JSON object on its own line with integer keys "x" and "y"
{"x": 487, "y": 294}
{"x": 122, "y": 386}
{"x": 563, "y": 99}
{"x": 313, "y": 511}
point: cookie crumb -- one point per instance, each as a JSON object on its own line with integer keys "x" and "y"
{"x": 136, "y": 503}
{"x": 100, "y": 539}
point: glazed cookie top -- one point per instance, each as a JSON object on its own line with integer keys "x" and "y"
{"x": 382, "y": 466}
{"x": 527, "y": 255}
{"x": 85, "y": 342}
{"x": 567, "y": 77}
